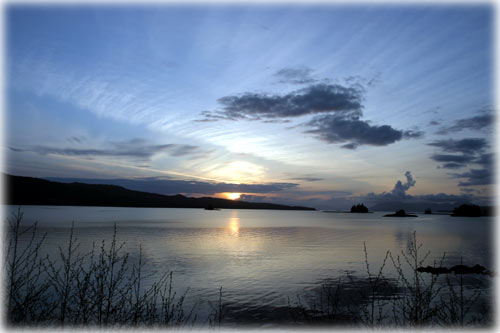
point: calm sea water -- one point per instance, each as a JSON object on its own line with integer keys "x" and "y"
{"x": 262, "y": 258}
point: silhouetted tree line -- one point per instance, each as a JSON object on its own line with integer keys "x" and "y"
{"x": 359, "y": 208}
{"x": 472, "y": 211}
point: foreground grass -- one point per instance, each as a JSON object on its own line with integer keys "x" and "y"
{"x": 102, "y": 288}
{"x": 411, "y": 299}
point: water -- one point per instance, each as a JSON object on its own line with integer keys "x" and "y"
{"x": 262, "y": 258}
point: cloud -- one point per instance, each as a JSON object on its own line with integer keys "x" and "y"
{"x": 338, "y": 109}
{"x": 301, "y": 198}
{"x": 463, "y": 159}
{"x": 413, "y": 134}
{"x": 471, "y": 150}
{"x": 351, "y": 146}
{"x": 441, "y": 201}
{"x": 135, "y": 148}
{"x": 397, "y": 198}
{"x": 396, "y": 195}
{"x": 451, "y": 165}
{"x": 465, "y": 146}
{"x": 317, "y": 98}
{"x": 76, "y": 139}
{"x": 400, "y": 188}
{"x": 453, "y": 161}
{"x": 339, "y": 129}
{"x": 307, "y": 179}
{"x": 486, "y": 160}
{"x": 475, "y": 177}
{"x": 171, "y": 187}
{"x": 476, "y": 123}
{"x": 254, "y": 198}
{"x": 295, "y": 75}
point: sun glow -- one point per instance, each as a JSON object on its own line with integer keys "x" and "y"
{"x": 234, "y": 224}
{"x": 233, "y": 196}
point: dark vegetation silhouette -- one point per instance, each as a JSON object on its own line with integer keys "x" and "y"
{"x": 471, "y": 211}
{"x": 103, "y": 288}
{"x": 457, "y": 269}
{"x": 35, "y": 191}
{"x": 211, "y": 207}
{"x": 410, "y": 299}
{"x": 359, "y": 208}
{"x": 400, "y": 213}
{"x": 428, "y": 211}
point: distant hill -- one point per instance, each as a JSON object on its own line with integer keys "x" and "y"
{"x": 36, "y": 191}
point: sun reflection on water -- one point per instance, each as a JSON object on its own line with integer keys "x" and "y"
{"x": 234, "y": 224}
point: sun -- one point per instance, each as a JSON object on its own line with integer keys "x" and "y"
{"x": 233, "y": 196}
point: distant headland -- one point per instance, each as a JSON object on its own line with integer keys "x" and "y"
{"x": 36, "y": 191}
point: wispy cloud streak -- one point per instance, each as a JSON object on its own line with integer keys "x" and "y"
{"x": 135, "y": 148}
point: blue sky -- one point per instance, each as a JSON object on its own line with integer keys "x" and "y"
{"x": 325, "y": 105}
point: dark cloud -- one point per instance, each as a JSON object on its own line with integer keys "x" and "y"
{"x": 470, "y": 149}
{"x": 351, "y": 146}
{"x": 76, "y": 139}
{"x": 135, "y": 148}
{"x": 452, "y": 165}
{"x": 361, "y": 82}
{"x": 171, "y": 187}
{"x": 442, "y": 198}
{"x": 331, "y": 193}
{"x": 453, "y": 161}
{"x": 276, "y": 121}
{"x": 485, "y": 160}
{"x": 302, "y": 198}
{"x": 318, "y": 98}
{"x": 463, "y": 159}
{"x": 476, "y": 123}
{"x": 413, "y": 134}
{"x": 465, "y": 146}
{"x": 307, "y": 179}
{"x": 338, "y": 109}
{"x": 475, "y": 177}
{"x": 295, "y": 75}
{"x": 374, "y": 80}
{"x": 339, "y": 129}
{"x": 434, "y": 123}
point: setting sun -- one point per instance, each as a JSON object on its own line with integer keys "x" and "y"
{"x": 233, "y": 196}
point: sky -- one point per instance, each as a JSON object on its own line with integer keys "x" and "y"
{"x": 318, "y": 105}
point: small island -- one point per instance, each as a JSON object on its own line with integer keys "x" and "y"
{"x": 467, "y": 210}
{"x": 400, "y": 213}
{"x": 359, "y": 208}
{"x": 211, "y": 207}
